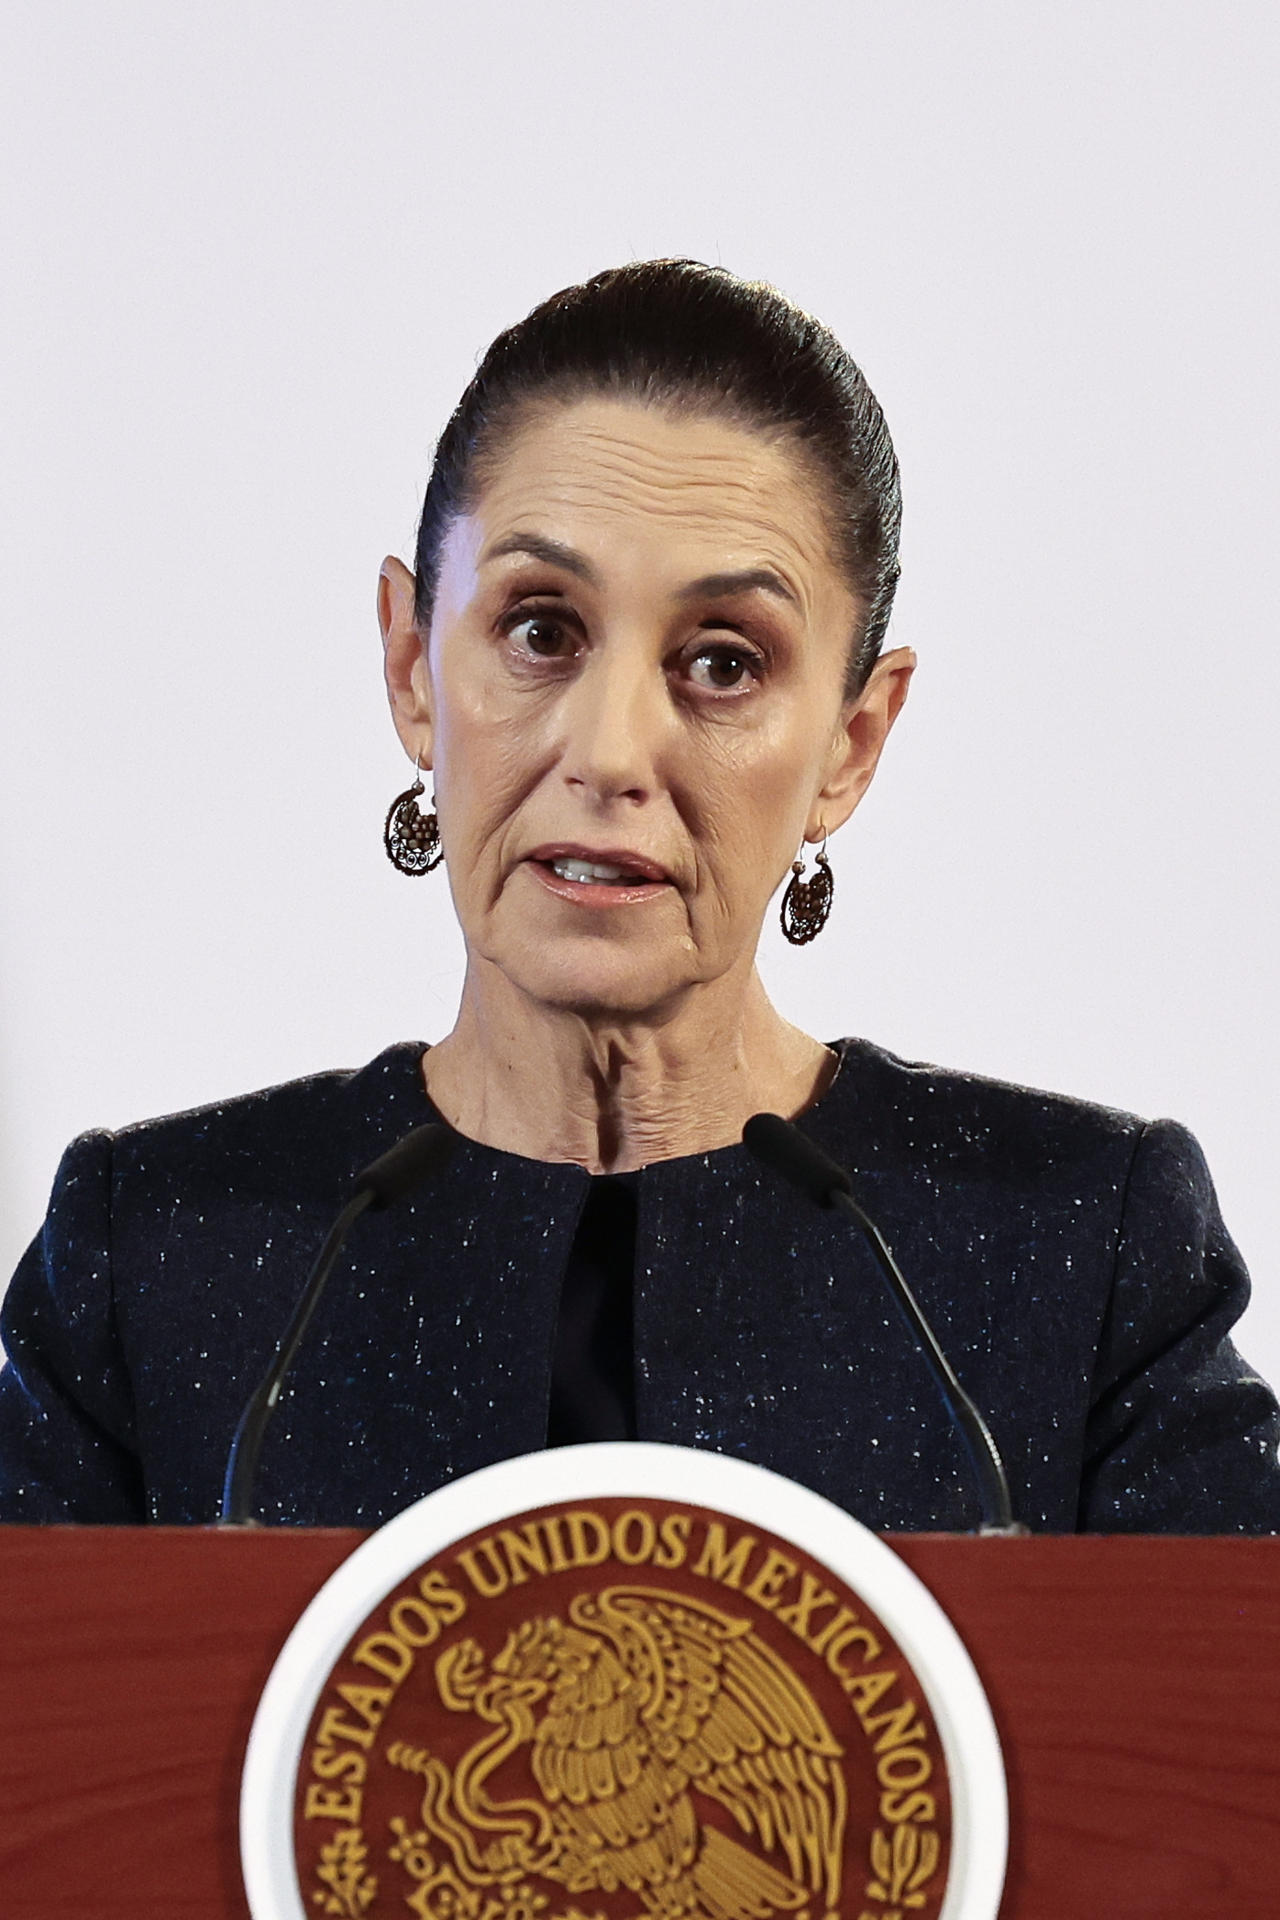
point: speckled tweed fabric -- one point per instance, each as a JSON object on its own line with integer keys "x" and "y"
{"x": 1071, "y": 1258}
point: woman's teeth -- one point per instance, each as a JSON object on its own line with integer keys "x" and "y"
{"x": 588, "y": 870}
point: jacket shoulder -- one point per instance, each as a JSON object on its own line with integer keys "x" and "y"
{"x": 958, "y": 1085}
{"x": 336, "y": 1120}
{"x": 971, "y": 1121}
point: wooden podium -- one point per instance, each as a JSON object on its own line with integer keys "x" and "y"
{"x": 1135, "y": 1683}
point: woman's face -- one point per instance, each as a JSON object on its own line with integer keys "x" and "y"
{"x": 631, "y": 698}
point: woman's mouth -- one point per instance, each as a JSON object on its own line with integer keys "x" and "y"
{"x": 598, "y": 879}
{"x": 585, "y": 871}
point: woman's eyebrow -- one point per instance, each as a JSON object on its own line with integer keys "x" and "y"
{"x": 709, "y": 586}
{"x": 553, "y": 553}
{"x": 714, "y": 586}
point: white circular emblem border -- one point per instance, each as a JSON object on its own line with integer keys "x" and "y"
{"x": 645, "y": 1470}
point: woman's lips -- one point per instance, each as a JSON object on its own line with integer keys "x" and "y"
{"x": 597, "y": 877}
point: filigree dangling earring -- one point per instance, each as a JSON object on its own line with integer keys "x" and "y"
{"x": 411, "y": 837}
{"x": 806, "y": 903}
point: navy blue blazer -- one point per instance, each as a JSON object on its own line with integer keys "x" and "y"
{"x": 1071, "y": 1259}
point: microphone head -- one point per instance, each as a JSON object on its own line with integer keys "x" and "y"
{"x": 778, "y": 1144}
{"x": 397, "y": 1171}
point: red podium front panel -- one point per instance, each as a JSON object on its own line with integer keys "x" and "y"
{"x": 1135, "y": 1683}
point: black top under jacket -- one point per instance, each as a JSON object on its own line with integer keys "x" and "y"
{"x": 1071, "y": 1259}
{"x": 593, "y": 1361}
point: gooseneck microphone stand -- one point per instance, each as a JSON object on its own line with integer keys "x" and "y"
{"x": 394, "y": 1174}
{"x": 786, "y": 1150}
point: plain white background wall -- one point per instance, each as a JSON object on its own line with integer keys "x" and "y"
{"x": 250, "y": 254}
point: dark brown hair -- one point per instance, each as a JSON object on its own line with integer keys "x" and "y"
{"x": 676, "y": 333}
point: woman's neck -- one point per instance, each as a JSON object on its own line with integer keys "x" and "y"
{"x": 613, "y": 1094}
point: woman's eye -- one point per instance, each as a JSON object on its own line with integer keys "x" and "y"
{"x": 723, "y": 669}
{"x": 540, "y": 633}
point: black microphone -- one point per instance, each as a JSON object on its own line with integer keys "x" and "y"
{"x": 779, "y": 1145}
{"x": 391, "y": 1176}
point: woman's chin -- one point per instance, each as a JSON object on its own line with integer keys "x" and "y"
{"x": 600, "y": 981}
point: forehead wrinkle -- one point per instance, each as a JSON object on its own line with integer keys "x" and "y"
{"x": 739, "y": 469}
{"x": 736, "y": 461}
{"x": 746, "y": 536}
{"x": 666, "y": 489}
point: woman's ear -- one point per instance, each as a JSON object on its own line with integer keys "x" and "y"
{"x": 864, "y": 728}
{"x": 404, "y": 660}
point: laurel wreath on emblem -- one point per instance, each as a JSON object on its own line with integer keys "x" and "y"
{"x": 902, "y": 1868}
{"x": 345, "y": 1889}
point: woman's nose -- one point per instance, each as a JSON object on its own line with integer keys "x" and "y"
{"x": 613, "y": 717}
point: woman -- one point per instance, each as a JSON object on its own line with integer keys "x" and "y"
{"x": 641, "y": 658}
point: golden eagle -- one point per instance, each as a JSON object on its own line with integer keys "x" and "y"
{"x": 639, "y": 1711}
